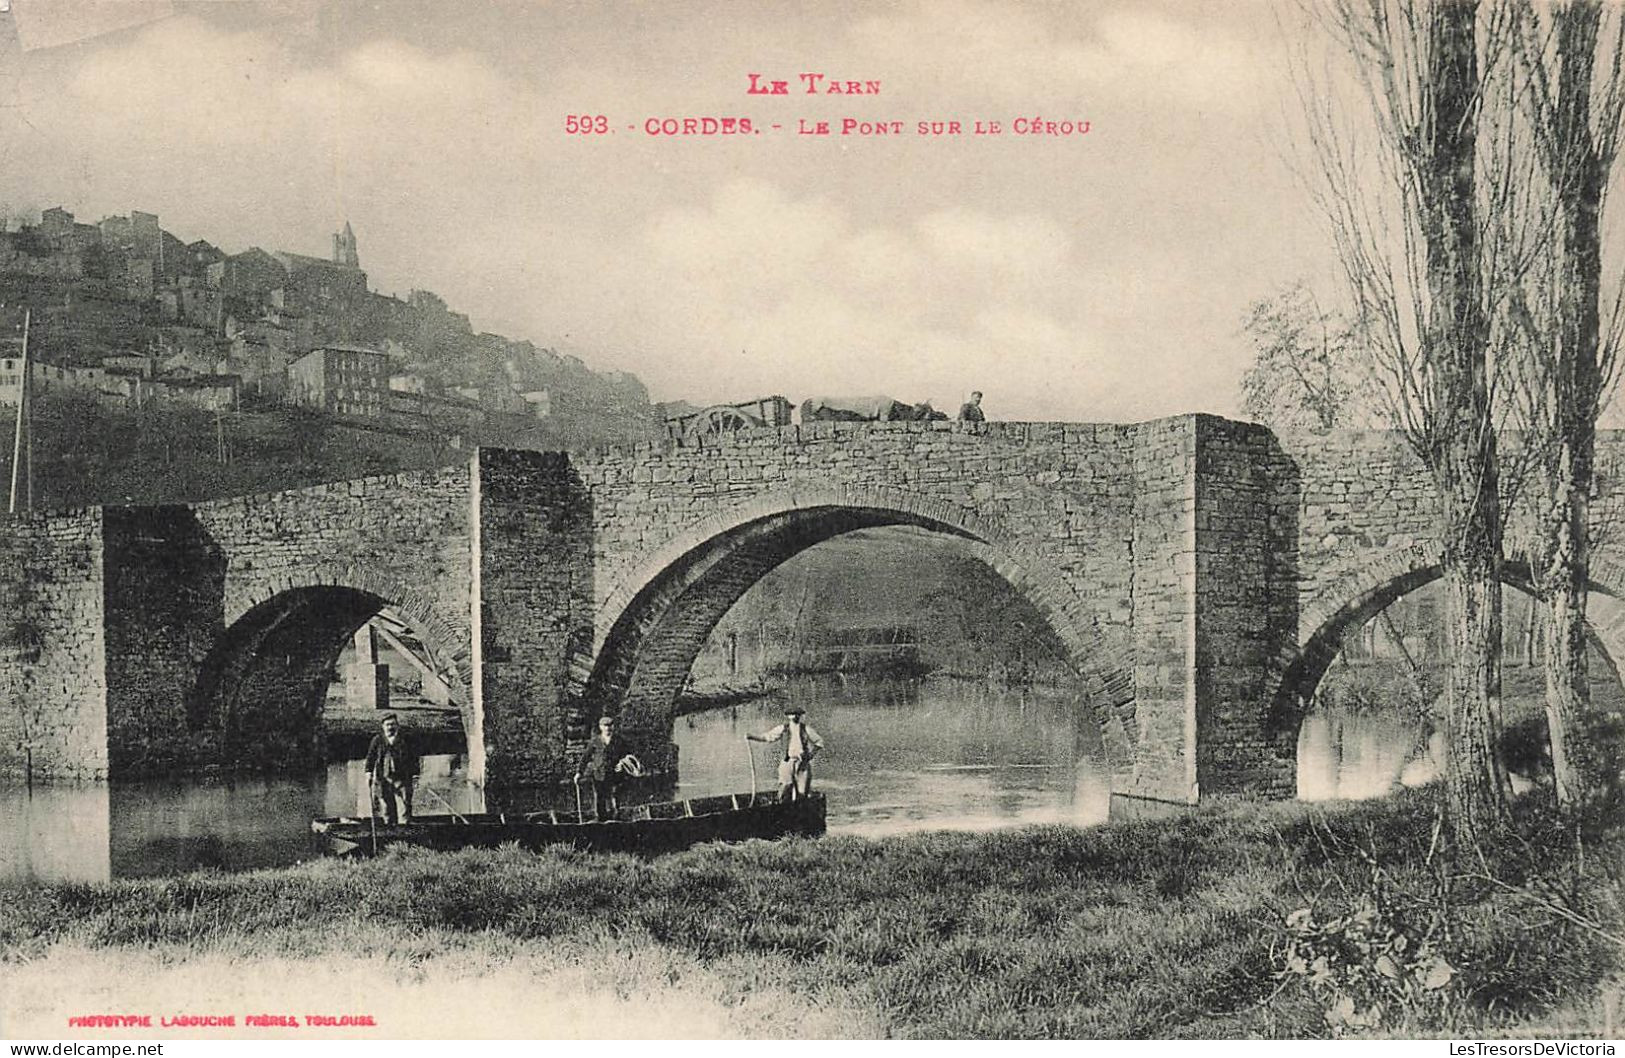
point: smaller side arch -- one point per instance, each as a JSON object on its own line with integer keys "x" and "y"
{"x": 412, "y": 603}
{"x": 1357, "y": 591}
{"x": 264, "y": 677}
{"x": 260, "y": 690}
{"x": 1355, "y": 599}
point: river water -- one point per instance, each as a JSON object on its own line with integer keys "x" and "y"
{"x": 902, "y": 755}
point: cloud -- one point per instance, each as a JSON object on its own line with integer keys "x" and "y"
{"x": 52, "y": 23}
{"x": 1024, "y": 246}
{"x": 1036, "y": 56}
{"x": 757, "y": 290}
{"x": 186, "y": 115}
{"x": 234, "y": 136}
{"x": 748, "y": 236}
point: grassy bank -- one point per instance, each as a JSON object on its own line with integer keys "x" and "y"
{"x": 1177, "y": 928}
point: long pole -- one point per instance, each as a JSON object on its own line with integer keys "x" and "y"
{"x": 28, "y": 452}
{"x": 22, "y": 404}
{"x": 445, "y": 804}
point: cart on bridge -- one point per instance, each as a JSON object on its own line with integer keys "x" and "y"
{"x": 726, "y": 418}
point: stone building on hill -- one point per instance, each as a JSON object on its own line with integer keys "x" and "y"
{"x": 342, "y": 380}
{"x": 250, "y": 276}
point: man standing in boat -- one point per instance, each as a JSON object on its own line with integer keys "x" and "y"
{"x": 605, "y": 760}
{"x": 797, "y": 744}
{"x": 392, "y": 770}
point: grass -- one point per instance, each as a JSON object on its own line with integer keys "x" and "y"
{"x": 1154, "y": 929}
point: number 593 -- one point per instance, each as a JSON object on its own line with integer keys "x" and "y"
{"x": 586, "y": 124}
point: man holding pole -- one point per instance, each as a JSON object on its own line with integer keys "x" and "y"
{"x": 797, "y": 744}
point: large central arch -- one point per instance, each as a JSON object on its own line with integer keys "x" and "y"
{"x": 650, "y": 631}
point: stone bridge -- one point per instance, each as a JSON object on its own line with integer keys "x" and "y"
{"x": 1198, "y": 574}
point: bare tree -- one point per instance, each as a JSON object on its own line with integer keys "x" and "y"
{"x": 1569, "y": 59}
{"x": 1423, "y": 181}
{"x": 1310, "y": 369}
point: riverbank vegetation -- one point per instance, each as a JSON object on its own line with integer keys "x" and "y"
{"x": 1234, "y": 920}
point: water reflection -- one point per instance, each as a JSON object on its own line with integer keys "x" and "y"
{"x": 56, "y": 833}
{"x": 95, "y": 832}
{"x": 1360, "y": 753}
{"x": 904, "y": 755}
{"x": 908, "y": 755}
{"x": 1357, "y": 754}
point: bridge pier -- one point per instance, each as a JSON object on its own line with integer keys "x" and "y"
{"x": 1215, "y": 579}
{"x": 532, "y": 601}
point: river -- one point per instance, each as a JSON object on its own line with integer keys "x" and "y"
{"x": 903, "y": 755}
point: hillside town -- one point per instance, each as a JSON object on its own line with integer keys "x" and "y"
{"x": 128, "y": 315}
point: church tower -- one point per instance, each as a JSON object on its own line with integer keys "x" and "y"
{"x": 344, "y": 249}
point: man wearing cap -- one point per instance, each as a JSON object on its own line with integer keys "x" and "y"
{"x": 605, "y": 760}
{"x": 797, "y": 744}
{"x": 392, "y": 769}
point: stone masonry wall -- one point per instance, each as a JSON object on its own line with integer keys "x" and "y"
{"x": 403, "y": 537}
{"x": 1366, "y": 498}
{"x": 181, "y": 578}
{"x": 1183, "y": 563}
{"x": 1367, "y": 532}
{"x": 53, "y": 707}
{"x": 1100, "y": 523}
{"x": 1244, "y": 594}
{"x": 163, "y": 598}
{"x": 1164, "y": 567}
{"x": 1052, "y": 505}
{"x": 535, "y": 593}
{"x": 1059, "y": 490}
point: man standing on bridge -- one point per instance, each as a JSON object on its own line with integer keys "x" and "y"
{"x": 797, "y": 744}
{"x": 392, "y": 770}
{"x": 971, "y": 410}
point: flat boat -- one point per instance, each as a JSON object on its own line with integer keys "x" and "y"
{"x": 662, "y": 827}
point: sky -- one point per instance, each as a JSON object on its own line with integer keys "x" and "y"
{"x": 1096, "y": 277}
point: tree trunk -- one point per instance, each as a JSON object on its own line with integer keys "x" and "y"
{"x": 1568, "y": 688}
{"x": 1578, "y": 173}
{"x": 1463, "y": 450}
{"x": 1475, "y": 780}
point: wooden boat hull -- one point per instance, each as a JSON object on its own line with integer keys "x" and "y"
{"x": 664, "y": 827}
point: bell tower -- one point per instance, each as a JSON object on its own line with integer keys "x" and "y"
{"x": 344, "y": 248}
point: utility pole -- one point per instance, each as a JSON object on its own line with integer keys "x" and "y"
{"x": 22, "y": 411}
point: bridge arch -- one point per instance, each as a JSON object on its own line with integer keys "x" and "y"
{"x": 1349, "y": 602}
{"x": 648, "y": 632}
{"x": 261, "y": 687}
